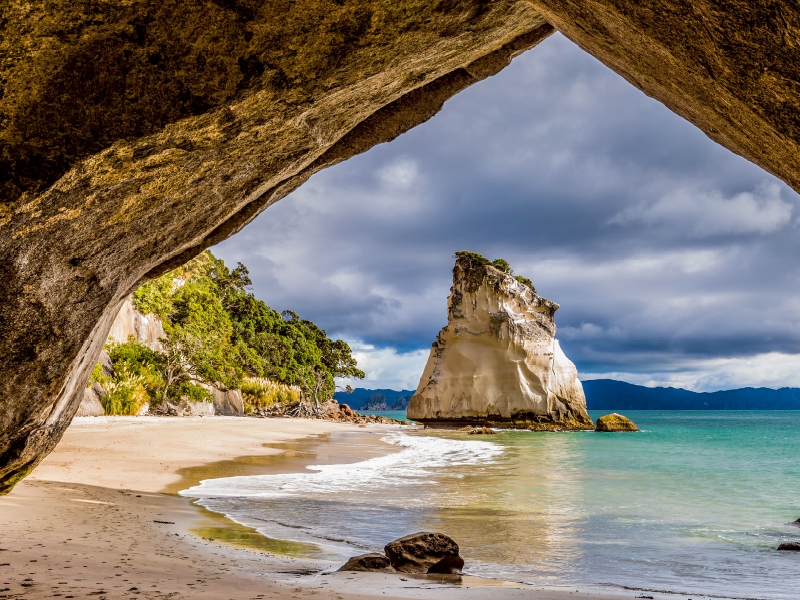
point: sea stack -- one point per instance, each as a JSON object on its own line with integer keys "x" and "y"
{"x": 497, "y": 362}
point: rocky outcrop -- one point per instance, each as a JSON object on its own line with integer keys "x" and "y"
{"x": 129, "y": 322}
{"x": 368, "y": 562}
{"x": 424, "y": 553}
{"x": 228, "y": 403}
{"x": 615, "y": 422}
{"x": 90, "y": 404}
{"x": 497, "y": 362}
{"x": 135, "y": 134}
{"x": 790, "y": 546}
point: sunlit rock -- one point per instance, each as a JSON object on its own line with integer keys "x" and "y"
{"x": 497, "y": 362}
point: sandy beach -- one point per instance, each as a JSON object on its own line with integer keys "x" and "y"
{"x": 99, "y": 519}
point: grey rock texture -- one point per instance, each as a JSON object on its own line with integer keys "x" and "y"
{"x": 90, "y": 405}
{"x": 229, "y": 403}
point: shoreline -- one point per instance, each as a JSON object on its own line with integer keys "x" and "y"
{"x": 141, "y": 539}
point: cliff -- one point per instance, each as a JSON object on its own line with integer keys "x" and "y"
{"x": 497, "y": 361}
{"x": 145, "y": 329}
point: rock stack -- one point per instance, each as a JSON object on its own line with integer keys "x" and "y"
{"x": 497, "y": 362}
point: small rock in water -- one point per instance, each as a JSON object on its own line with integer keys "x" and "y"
{"x": 615, "y": 422}
{"x": 482, "y": 431}
{"x": 368, "y": 562}
{"x": 791, "y": 546}
{"x": 425, "y": 553}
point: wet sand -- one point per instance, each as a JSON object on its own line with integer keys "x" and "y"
{"x": 99, "y": 519}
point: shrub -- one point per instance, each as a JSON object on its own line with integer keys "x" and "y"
{"x": 525, "y": 281}
{"x": 259, "y": 392}
{"x": 502, "y": 265}
{"x": 124, "y": 393}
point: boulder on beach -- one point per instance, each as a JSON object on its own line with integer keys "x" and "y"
{"x": 615, "y": 422}
{"x": 424, "y": 552}
{"x": 90, "y": 404}
{"x": 481, "y": 431}
{"x": 790, "y": 546}
{"x": 368, "y": 562}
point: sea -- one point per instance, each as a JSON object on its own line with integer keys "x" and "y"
{"x": 696, "y": 503}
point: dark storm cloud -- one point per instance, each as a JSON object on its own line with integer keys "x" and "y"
{"x": 665, "y": 251}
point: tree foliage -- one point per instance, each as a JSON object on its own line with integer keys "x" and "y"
{"x": 501, "y": 264}
{"x": 218, "y": 332}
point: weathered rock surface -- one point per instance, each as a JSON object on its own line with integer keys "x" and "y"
{"x": 424, "y": 553}
{"x": 368, "y": 562}
{"x": 497, "y": 362}
{"x": 615, "y": 422}
{"x": 129, "y": 322}
{"x": 228, "y": 403}
{"x": 134, "y": 134}
{"x": 90, "y": 404}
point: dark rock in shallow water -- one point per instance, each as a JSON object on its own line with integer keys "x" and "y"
{"x": 615, "y": 422}
{"x": 424, "y": 553}
{"x": 791, "y": 546}
{"x": 368, "y": 562}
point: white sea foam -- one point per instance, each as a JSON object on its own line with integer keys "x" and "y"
{"x": 417, "y": 463}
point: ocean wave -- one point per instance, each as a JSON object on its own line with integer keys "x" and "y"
{"x": 419, "y": 459}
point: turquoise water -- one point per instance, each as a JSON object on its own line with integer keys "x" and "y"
{"x": 696, "y": 503}
{"x": 400, "y": 415}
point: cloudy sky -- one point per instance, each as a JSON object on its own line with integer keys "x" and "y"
{"x": 675, "y": 261}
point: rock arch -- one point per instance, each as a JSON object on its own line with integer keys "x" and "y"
{"x": 134, "y": 135}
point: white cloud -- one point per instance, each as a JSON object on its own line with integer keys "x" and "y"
{"x": 387, "y": 368}
{"x": 704, "y": 214}
{"x": 771, "y": 369}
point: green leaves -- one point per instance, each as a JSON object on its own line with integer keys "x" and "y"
{"x": 219, "y": 333}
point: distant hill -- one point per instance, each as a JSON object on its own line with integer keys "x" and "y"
{"x": 358, "y": 399}
{"x": 608, "y": 394}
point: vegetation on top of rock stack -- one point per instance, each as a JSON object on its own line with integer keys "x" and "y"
{"x": 501, "y": 264}
{"x": 219, "y": 334}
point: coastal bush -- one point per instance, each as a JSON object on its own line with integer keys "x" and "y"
{"x": 260, "y": 392}
{"x": 219, "y": 333}
{"x": 124, "y": 393}
{"x": 500, "y": 264}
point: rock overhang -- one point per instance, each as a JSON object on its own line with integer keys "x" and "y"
{"x": 133, "y": 135}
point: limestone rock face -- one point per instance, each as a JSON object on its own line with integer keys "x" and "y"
{"x": 615, "y": 422}
{"x": 497, "y": 362}
{"x": 90, "y": 404}
{"x": 145, "y": 329}
{"x": 228, "y": 404}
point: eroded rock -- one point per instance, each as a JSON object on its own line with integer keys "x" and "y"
{"x": 497, "y": 362}
{"x": 424, "y": 553}
{"x": 615, "y": 422}
{"x": 90, "y": 404}
{"x": 368, "y": 562}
